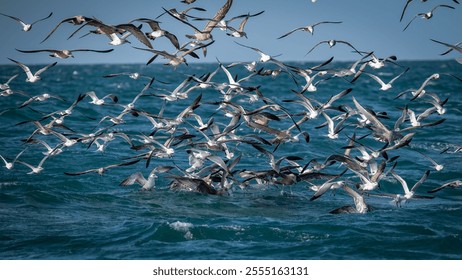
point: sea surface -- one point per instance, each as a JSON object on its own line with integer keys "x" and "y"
{"x": 51, "y": 215}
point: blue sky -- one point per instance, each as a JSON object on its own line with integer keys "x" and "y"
{"x": 371, "y": 25}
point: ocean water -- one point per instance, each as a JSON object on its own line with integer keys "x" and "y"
{"x": 52, "y": 215}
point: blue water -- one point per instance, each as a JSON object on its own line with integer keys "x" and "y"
{"x": 51, "y": 215}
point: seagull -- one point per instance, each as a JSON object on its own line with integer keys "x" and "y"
{"x": 113, "y": 32}
{"x": 63, "y": 54}
{"x": 308, "y": 28}
{"x": 50, "y": 151}
{"x": 65, "y": 141}
{"x": 384, "y": 86}
{"x": 224, "y": 23}
{"x": 158, "y": 32}
{"x": 35, "y": 169}
{"x": 452, "y": 184}
{"x": 360, "y": 205}
{"x": 333, "y": 130}
{"x": 456, "y": 47}
{"x": 135, "y": 31}
{"x": 102, "y": 170}
{"x": 25, "y": 26}
{"x": 6, "y": 86}
{"x": 131, "y": 75}
{"x": 332, "y": 43}
{"x": 427, "y": 15}
{"x": 377, "y": 63}
{"x": 328, "y": 185}
{"x": 239, "y": 32}
{"x": 184, "y": 14}
{"x": 436, "y": 166}
{"x": 175, "y": 59}
{"x": 268, "y": 58}
{"x": 409, "y": 1}
{"x": 416, "y": 93}
{"x": 409, "y": 194}
{"x": 32, "y": 78}
{"x": 381, "y": 131}
{"x": 10, "y": 165}
{"x": 75, "y": 20}
{"x": 206, "y": 33}
{"x": 201, "y": 185}
{"x": 146, "y": 184}
{"x": 100, "y": 101}
{"x": 39, "y": 98}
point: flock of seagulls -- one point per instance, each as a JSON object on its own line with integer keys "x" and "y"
{"x": 246, "y": 123}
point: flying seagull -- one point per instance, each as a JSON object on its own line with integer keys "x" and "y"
{"x": 308, "y": 28}
{"x": 384, "y": 86}
{"x": 409, "y": 1}
{"x": 63, "y": 54}
{"x": 25, "y": 26}
{"x": 427, "y": 15}
{"x": 102, "y": 170}
{"x": 158, "y": 32}
{"x": 206, "y": 33}
{"x": 75, "y": 20}
{"x": 452, "y": 184}
{"x": 332, "y": 43}
{"x": 32, "y": 78}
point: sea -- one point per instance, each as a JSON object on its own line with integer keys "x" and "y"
{"x": 54, "y": 216}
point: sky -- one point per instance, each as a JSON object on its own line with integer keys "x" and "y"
{"x": 371, "y": 25}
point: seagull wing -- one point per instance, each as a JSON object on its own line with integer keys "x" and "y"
{"x": 410, "y": 22}
{"x": 40, "y": 71}
{"x": 322, "y": 42}
{"x": 89, "y": 50}
{"x": 376, "y": 78}
{"x": 454, "y": 47}
{"x": 378, "y": 126}
{"x": 172, "y": 39}
{"x": 36, "y": 51}
{"x": 404, "y": 9}
{"x": 290, "y": 32}
{"x": 42, "y": 18}
{"x": 420, "y": 182}
{"x": 218, "y": 17}
{"x": 135, "y": 31}
{"x": 324, "y": 22}
{"x": 397, "y": 77}
{"x": 15, "y": 18}
{"x": 401, "y": 181}
{"x": 134, "y": 178}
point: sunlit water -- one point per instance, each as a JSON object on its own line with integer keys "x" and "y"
{"x": 54, "y": 216}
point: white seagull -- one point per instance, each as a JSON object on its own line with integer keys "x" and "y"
{"x": 26, "y": 26}
{"x": 35, "y": 169}
{"x": 32, "y": 78}
{"x": 10, "y": 165}
{"x": 308, "y": 28}
{"x": 146, "y": 184}
{"x": 385, "y": 86}
{"x": 427, "y": 15}
{"x": 409, "y": 194}
{"x": 100, "y": 101}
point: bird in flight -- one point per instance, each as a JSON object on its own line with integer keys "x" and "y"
{"x": 63, "y": 54}
{"x": 32, "y": 78}
{"x": 26, "y": 26}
